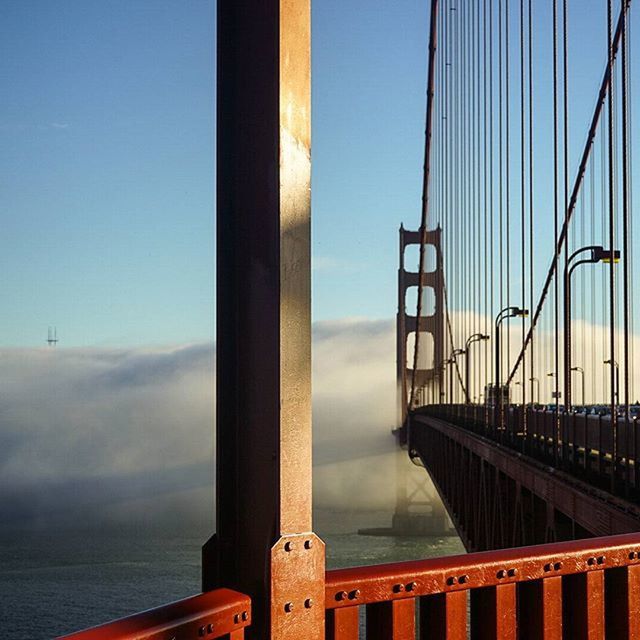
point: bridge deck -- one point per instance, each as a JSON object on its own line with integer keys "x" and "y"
{"x": 526, "y": 482}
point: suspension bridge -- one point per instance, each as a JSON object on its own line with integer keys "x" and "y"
{"x": 524, "y": 283}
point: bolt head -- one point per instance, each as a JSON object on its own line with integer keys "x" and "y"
{"x": 245, "y": 616}
{"x": 308, "y": 544}
{"x": 288, "y": 607}
{"x": 355, "y": 594}
{"x": 288, "y": 546}
{"x": 411, "y": 586}
{"x": 342, "y": 595}
{"x": 308, "y": 603}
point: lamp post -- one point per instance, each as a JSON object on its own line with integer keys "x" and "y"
{"x": 519, "y": 384}
{"x": 597, "y": 254}
{"x": 476, "y": 337}
{"x": 507, "y": 312}
{"x": 532, "y": 380}
{"x": 616, "y": 391}
{"x": 454, "y": 353}
{"x": 580, "y": 370}
{"x": 551, "y": 374}
{"x": 443, "y": 366}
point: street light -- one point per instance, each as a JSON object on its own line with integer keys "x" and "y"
{"x": 476, "y": 337}
{"x": 532, "y": 380}
{"x": 454, "y": 353}
{"x": 552, "y": 374}
{"x": 617, "y": 389}
{"x": 597, "y": 254}
{"x": 443, "y": 366}
{"x": 507, "y": 312}
{"x": 580, "y": 370}
{"x": 519, "y": 384}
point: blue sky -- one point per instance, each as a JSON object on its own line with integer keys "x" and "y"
{"x": 107, "y": 161}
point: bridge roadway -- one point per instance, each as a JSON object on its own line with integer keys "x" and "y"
{"x": 529, "y": 477}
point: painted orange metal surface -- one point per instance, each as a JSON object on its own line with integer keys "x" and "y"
{"x": 499, "y": 498}
{"x": 577, "y": 589}
{"x": 585, "y": 589}
{"x": 216, "y": 614}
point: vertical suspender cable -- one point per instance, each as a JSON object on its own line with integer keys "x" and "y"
{"x": 612, "y": 301}
{"x": 555, "y": 226}
{"x": 625, "y": 239}
{"x": 531, "y": 214}
{"x": 523, "y": 242}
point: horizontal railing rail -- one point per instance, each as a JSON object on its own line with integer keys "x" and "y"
{"x": 578, "y": 589}
{"x": 574, "y": 442}
{"x": 216, "y": 614}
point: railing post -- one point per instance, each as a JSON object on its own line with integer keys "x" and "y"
{"x": 264, "y": 545}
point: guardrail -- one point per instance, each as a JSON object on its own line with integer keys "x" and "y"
{"x": 578, "y": 589}
{"x": 216, "y": 614}
{"x": 582, "y": 589}
{"x": 595, "y": 448}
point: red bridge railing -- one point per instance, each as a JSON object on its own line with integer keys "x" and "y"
{"x": 216, "y": 614}
{"x": 578, "y": 589}
{"x": 582, "y": 589}
{"x": 595, "y": 448}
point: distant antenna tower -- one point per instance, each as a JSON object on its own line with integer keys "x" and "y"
{"x": 52, "y": 337}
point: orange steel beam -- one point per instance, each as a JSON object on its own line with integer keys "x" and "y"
{"x": 582, "y": 589}
{"x": 218, "y": 614}
{"x": 264, "y": 545}
{"x": 591, "y": 508}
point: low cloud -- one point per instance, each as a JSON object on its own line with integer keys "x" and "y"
{"x": 127, "y": 435}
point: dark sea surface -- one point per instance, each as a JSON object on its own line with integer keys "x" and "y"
{"x": 57, "y": 582}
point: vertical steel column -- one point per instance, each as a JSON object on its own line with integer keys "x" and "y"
{"x": 264, "y": 545}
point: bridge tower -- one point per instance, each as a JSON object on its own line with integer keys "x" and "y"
{"x": 432, "y": 324}
{"x": 417, "y": 512}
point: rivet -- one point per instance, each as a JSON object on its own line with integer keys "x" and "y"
{"x": 548, "y": 567}
{"x": 502, "y": 574}
{"x": 210, "y": 628}
{"x": 397, "y": 588}
{"x": 308, "y": 603}
{"x": 288, "y": 546}
{"x": 342, "y": 595}
{"x": 463, "y": 579}
{"x": 591, "y": 561}
{"x": 411, "y": 586}
{"x": 308, "y": 544}
{"x": 236, "y": 618}
{"x": 202, "y": 631}
{"x": 354, "y": 595}
{"x": 601, "y": 559}
{"x": 557, "y": 566}
{"x": 452, "y": 580}
{"x": 633, "y": 555}
{"x": 512, "y": 572}
{"x": 288, "y": 607}
{"x": 245, "y": 616}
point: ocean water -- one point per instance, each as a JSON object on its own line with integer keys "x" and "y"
{"x": 52, "y": 583}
